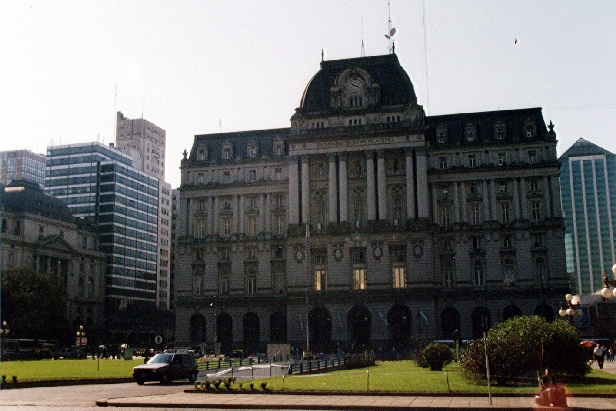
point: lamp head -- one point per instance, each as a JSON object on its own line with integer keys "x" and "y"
{"x": 606, "y": 293}
{"x": 568, "y": 297}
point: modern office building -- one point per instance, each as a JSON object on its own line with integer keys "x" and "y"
{"x": 145, "y": 142}
{"x": 40, "y": 232}
{"x": 589, "y": 208}
{"x": 22, "y": 165}
{"x": 100, "y": 184}
{"x": 367, "y": 223}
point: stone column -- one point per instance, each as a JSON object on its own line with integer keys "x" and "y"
{"x": 524, "y": 203}
{"x": 211, "y": 216}
{"x": 267, "y": 210}
{"x": 423, "y": 202}
{"x": 305, "y": 190}
{"x": 262, "y": 214}
{"x": 456, "y": 203}
{"x": 464, "y": 214}
{"x": 242, "y": 215}
{"x": 486, "y": 199}
{"x": 546, "y": 196}
{"x": 370, "y": 186}
{"x": 293, "y": 191}
{"x": 343, "y": 187}
{"x": 236, "y": 214}
{"x": 516, "y": 199}
{"x": 556, "y": 202}
{"x": 410, "y": 184}
{"x": 494, "y": 212}
{"x": 216, "y": 215}
{"x": 333, "y": 190}
{"x": 381, "y": 185}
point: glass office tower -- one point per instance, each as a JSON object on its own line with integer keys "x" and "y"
{"x": 99, "y": 183}
{"x": 589, "y": 207}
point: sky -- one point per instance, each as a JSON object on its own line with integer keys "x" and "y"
{"x": 198, "y": 67}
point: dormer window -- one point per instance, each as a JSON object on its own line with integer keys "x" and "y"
{"x": 441, "y": 134}
{"x": 202, "y": 153}
{"x": 530, "y": 129}
{"x": 252, "y": 149}
{"x": 227, "y": 151}
{"x": 499, "y": 131}
{"x": 278, "y": 148}
{"x": 470, "y": 132}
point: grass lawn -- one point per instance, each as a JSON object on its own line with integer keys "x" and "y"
{"x": 405, "y": 376}
{"x": 67, "y": 369}
{"x": 400, "y": 376}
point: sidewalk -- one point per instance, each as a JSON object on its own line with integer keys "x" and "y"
{"x": 352, "y": 402}
{"x": 344, "y": 402}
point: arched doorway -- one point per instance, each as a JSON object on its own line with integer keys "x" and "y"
{"x": 278, "y": 327}
{"x": 359, "y": 321}
{"x": 450, "y": 322}
{"x": 251, "y": 333}
{"x": 197, "y": 329}
{"x": 399, "y": 322}
{"x": 511, "y": 311}
{"x": 224, "y": 327}
{"x": 481, "y": 320}
{"x": 320, "y": 329}
{"x": 546, "y": 312}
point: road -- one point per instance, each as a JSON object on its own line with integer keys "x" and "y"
{"x": 80, "y": 397}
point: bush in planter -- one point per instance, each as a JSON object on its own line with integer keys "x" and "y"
{"x": 436, "y": 356}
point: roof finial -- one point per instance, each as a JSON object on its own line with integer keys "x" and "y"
{"x": 322, "y": 54}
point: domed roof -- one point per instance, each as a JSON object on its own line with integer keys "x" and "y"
{"x": 393, "y": 81}
{"x": 23, "y": 196}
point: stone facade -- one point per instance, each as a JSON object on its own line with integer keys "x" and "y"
{"x": 366, "y": 223}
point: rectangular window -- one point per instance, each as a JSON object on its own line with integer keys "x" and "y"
{"x": 442, "y": 163}
{"x": 252, "y": 203}
{"x": 359, "y": 279}
{"x": 198, "y": 285}
{"x": 224, "y": 285}
{"x": 476, "y": 243}
{"x": 475, "y": 214}
{"x": 398, "y": 211}
{"x": 358, "y": 255}
{"x": 534, "y": 185}
{"x": 472, "y": 160}
{"x": 252, "y": 226}
{"x": 225, "y": 227}
{"x": 320, "y": 279}
{"x": 505, "y": 213}
{"x": 478, "y": 278}
{"x": 399, "y": 277}
{"x": 501, "y": 159}
{"x": 448, "y": 277}
{"x": 279, "y": 225}
{"x": 502, "y": 187}
{"x": 532, "y": 156}
{"x": 251, "y": 284}
{"x": 535, "y": 208}
{"x": 201, "y": 228}
{"x": 252, "y": 151}
{"x": 252, "y": 176}
{"x": 445, "y": 216}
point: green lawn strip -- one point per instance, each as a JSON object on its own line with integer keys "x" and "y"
{"x": 44, "y": 370}
{"x": 405, "y": 376}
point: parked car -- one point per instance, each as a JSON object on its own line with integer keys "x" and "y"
{"x": 167, "y": 367}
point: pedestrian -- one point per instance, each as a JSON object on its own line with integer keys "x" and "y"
{"x": 599, "y": 353}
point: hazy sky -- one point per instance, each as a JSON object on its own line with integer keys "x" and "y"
{"x": 188, "y": 65}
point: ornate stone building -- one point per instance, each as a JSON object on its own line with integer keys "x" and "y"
{"x": 418, "y": 225}
{"x": 40, "y": 232}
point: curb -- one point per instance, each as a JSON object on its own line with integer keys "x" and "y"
{"x": 63, "y": 383}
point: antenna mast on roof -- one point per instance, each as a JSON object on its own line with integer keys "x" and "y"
{"x": 391, "y": 31}
{"x": 363, "y": 50}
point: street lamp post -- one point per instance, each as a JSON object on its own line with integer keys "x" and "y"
{"x": 81, "y": 334}
{"x": 4, "y": 331}
{"x": 571, "y": 307}
{"x": 607, "y": 292}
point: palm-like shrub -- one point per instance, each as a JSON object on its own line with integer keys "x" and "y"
{"x": 521, "y": 346}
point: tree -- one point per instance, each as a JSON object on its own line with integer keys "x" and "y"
{"x": 34, "y": 304}
{"x": 521, "y": 346}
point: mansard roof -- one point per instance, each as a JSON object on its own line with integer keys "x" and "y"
{"x": 239, "y": 141}
{"x": 394, "y": 82}
{"x": 583, "y": 148}
{"x": 512, "y": 122}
